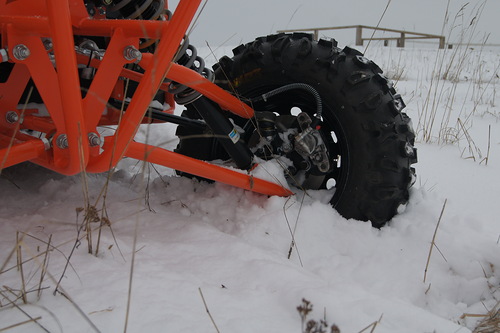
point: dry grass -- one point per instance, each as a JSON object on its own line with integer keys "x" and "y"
{"x": 490, "y": 323}
{"x": 433, "y": 243}
{"x": 312, "y": 325}
{"x": 32, "y": 265}
{"x": 208, "y": 311}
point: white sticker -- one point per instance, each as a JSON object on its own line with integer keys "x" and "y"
{"x": 234, "y": 135}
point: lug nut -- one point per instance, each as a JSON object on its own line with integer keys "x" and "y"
{"x": 12, "y": 117}
{"x": 131, "y": 53}
{"x": 21, "y": 52}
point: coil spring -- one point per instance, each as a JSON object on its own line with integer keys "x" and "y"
{"x": 188, "y": 57}
{"x": 138, "y": 10}
{"x": 135, "y": 9}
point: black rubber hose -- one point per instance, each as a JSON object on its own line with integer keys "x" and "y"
{"x": 303, "y": 86}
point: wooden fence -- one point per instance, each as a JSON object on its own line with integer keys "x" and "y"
{"x": 400, "y": 40}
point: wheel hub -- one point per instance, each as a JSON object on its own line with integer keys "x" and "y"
{"x": 294, "y": 138}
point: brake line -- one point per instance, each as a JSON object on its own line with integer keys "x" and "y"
{"x": 291, "y": 86}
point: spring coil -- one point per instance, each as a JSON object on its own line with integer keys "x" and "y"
{"x": 139, "y": 10}
{"x": 187, "y": 56}
{"x": 136, "y": 9}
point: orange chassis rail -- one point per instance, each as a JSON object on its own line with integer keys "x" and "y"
{"x": 25, "y": 26}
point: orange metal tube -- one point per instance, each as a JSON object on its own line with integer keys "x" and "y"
{"x": 21, "y": 152}
{"x": 92, "y": 27}
{"x": 194, "y": 80}
{"x": 41, "y": 124}
{"x": 183, "y": 76}
{"x": 69, "y": 85}
{"x": 153, "y": 78}
{"x": 131, "y": 28}
{"x": 29, "y": 24}
{"x": 44, "y": 76}
{"x": 193, "y": 166}
{"x": 105, "y": 79}
{"x": 12, "y": 90}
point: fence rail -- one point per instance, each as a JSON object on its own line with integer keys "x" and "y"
{"x": 400, "y": 40}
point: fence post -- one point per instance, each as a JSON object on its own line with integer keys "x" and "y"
{"x": 359, "y": 35}
{"x": 316, "y": 34}
{"x": 441, "y": 42}
{"x": 401, "y": 40}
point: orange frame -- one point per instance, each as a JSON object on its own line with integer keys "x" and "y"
{"x": 25, "y": 24}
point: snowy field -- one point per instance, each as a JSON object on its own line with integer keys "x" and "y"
{"x": 205, "y": 246}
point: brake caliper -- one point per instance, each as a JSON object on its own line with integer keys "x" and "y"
{"x": 292, "y": 136}
{"x": 310, "y": 145}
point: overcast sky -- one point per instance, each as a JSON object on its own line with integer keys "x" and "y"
{"x": 232, "y": 22}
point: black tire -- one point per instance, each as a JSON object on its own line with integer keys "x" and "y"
{"x": 373, "y": 137}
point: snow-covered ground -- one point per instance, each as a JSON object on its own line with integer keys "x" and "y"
{"x": 205, "y": 246}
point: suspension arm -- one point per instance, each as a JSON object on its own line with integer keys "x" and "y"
{"x": 196, "y": 167}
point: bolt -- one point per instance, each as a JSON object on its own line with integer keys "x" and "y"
{"x": 94, "y": 139}
{"x": 131, "y": 53}
{"x": 47, "y": 43}
{"x": 323, "y": 167}
{"x": 12, "y": 117}
{"x": 21, "y": 52}
{"x": 62, "y": 141}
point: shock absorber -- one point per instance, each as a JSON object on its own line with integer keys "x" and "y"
{"x": 222, "y": 127}
{"x": 137, "y": 10}
{"x": 188, "y": 56}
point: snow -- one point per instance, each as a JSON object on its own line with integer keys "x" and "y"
{"x": 198, "y": 242}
